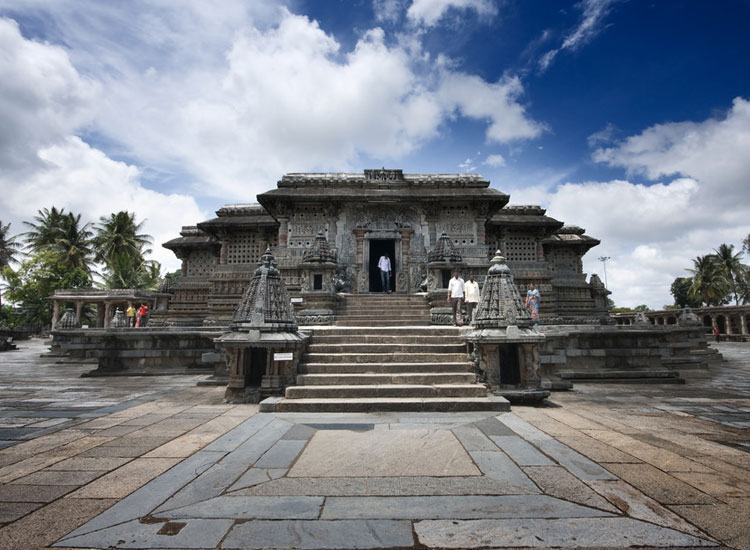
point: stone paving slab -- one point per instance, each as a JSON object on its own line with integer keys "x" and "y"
{"x": 541, "y": 533}
{"x": 320, "y": 534}
{"x": 239, "y": 507}
{"x": 196, "y": 533}
{"x": 397, "y": 452}
{"x": 456, "y": 507}
{"x": 497, "y": 465}
{"x": 522, "y": 453}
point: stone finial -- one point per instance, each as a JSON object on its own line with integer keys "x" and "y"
{"x": 265, "y": 305}
{"x": 319, "y": 251}
{"x": 166, "y": 285}
{"x": 68, "y": 320}
{"x": 500, "y": 304}
{"x": 118, "y": 319}
{"x": 445, "y": 251}
{"x": 688, "y": 317}
{"x": 641, "y": 320}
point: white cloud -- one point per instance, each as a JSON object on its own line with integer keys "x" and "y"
{"x": 592, "y": 18}
{"x": 652, "y": 232}
{"x": 43, "y": 100}
{"x": 494, "y": 160}
{"x": 388, "y": 11}
{"x": 429, "y": 12}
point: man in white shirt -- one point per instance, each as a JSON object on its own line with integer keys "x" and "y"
{"x": 384, "y": 264}
{"x": 456, "y": 296}
{"x": 471, "y": 291}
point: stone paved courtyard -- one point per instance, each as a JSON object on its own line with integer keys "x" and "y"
{"x": 150, "y": 462}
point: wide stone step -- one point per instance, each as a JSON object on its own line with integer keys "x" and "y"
{"x": 395, "y": 357}
{"x": 385, "y": 348}
{"x": 392, "y": 404}
{"x": 385, "y": 368}
{"x": 385, "y": 339}
{"x": 386, "y": 390}
{"x": 386, "y": 378}
{"x": 364, "y": 310}
{"x": 386, "y": 331}
{"x": 383, "y": 323}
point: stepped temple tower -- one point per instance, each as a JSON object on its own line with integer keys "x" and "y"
{"x": 327, "y": 232}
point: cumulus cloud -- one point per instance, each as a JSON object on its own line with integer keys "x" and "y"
{"x": 43, "y": 101}
{"x": 429, "y": 12}
{"x": 591, "y": 23}
{"x": 652, "y": 232}
{"x": 388, "y": 11}
{"x": 494, "y": 160}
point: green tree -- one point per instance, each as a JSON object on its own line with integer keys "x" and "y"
{"x": 709, "y": 282}
{"x": 74, "y": 243}
{"x": 119, "y": 234}
{"x": 47, "y": 229}
{"x": 746, "y": 244}
{"x": 642, "y": 307}
{"x": 8, "y": 248}
{"x": 730, "y": 264}
{"x": 39, "y": 275}
{"x": 126, "y": 271}
{"x": 680, "y": 289}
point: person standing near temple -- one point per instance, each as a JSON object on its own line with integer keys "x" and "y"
{"x": 142, "y": 315}
{"x": 456, "y": 297}
{"x": 532, "y": 302}
{"x": 384, "y": 264}
{"x": 471, "y": 294}
{"x": 130, "y": 315}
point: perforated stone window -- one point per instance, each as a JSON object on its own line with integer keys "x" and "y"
{"x": 201, "y": 263}
{"x": 245, "y": 248}
{"x": 564, "y": 261}
{"x": 520, "y": 248}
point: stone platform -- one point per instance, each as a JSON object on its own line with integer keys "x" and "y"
{"x": 604, "y": 466}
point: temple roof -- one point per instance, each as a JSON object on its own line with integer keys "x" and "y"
{"x": 571, "y": 235}
{"x": 387, "y": 186}
{"x": 524, "y": 216}
{"x": 191, "y": 237}
{"x": 238, "y": 216}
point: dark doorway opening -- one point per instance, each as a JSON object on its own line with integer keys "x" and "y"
{"x": 378, "y": 247}
{"x": 255, "y": 365}
{"x": 510, "y": 368}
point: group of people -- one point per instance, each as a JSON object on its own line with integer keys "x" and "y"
{"x": 460, "y": 292}
{"x": 136, "y": 317}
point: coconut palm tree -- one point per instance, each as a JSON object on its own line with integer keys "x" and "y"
{"x": 709, "y": 282}
{"x": 8, "y": 246}
{"x": 74, "y": 243}
{"x": 126, "y": 271}
{"x": 731, "y": 265}
{"x": 119, "y": 234}
{"x": 47, "y": 229}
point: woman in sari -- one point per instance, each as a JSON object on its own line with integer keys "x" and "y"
{"x": 532, "y": 303}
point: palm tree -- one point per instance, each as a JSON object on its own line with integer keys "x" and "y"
{"x": 119, "y": 234}
{"x": 47, "y": 229}
{"x": 126, "y": 271}
{"x": 709, "y": 281}
{"x": 8, "y": 246}
{"x": 731, "y": 265}
{"x": 74, "y": 243}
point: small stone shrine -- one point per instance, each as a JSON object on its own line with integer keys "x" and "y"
{"x": 506, "y": 346}
{"x": 263, "y": 346}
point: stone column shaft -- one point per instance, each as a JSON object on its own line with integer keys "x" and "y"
{"x": 55, "y": 313}
{"x": 743, "y": 324}
{"x": 79, "y": 308}
{"x": 107, "y": 307}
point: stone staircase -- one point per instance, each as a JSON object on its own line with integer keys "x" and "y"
{"x": 384, "y": 356}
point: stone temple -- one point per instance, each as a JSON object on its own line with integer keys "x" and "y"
{"x": 362, "y": 216}
{"x": 282, "y": 302}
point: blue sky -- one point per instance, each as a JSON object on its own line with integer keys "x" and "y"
{"x": 628, "y": 118}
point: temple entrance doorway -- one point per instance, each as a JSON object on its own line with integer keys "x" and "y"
{"x": 378, "y": 247}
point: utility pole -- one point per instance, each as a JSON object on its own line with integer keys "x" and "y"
{"x": 604, "y": 260}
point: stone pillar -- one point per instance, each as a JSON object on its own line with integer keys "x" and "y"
{"x": 79, "y": 309}
{"x": 743, "y": 324}
{"x": 107, "y": 307}
{"x": 223, "y": 253}
{"x": 100, "y": 315}
{"x": 359, "y": 235}
{"x": 728, "y": 323}
{"x": 283, "y": 232}
{"x": 55, "y": 313}
{"x": 235, "y": 358}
